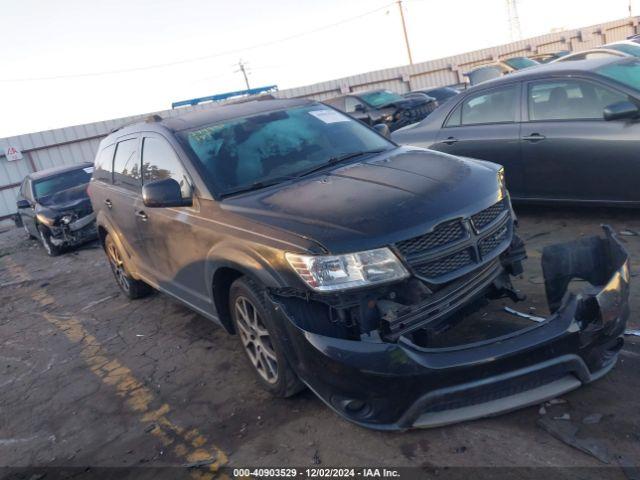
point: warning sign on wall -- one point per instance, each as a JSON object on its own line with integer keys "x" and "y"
{"x": 12, "y": 153}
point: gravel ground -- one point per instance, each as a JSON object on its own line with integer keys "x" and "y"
{"x": 89, "y": 378}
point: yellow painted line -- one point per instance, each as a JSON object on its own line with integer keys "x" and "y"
{"x": 189, "y": 445}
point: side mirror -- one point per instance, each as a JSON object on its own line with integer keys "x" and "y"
{"x": 621, "y": 110}
{"x": 382, "y": 129}
{"x": 164, "y": 193}
{"x": 359, "y": 108}
{"x": 22, "y": 204}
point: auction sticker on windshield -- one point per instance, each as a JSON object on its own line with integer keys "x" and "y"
{"x": 329, "y": 116}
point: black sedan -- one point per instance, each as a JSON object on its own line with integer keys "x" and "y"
{"x": 384, "y": 106}
{"x": 53, "y": 205}
{"x": 440, "y": 94}
{"x": 565, "y": 132}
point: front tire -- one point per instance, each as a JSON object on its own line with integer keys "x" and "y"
{"x": 45, "y": 238}
{"x": 131, "y": 287}
{"x": 258, "y": 337}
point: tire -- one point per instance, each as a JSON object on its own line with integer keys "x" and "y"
{"x": 131, "y": 287}
{"x": 29, "y": 234}
{"x": 45, "y": 238}
{"x": 258, "y": 336}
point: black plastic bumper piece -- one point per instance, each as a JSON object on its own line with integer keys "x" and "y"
{"x": 398, "y": 385}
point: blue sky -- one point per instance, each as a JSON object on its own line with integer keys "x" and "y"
{"x": 42, "y": 38}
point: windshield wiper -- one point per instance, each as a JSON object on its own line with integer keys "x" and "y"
{"x": 256, "y": 185}
{"x": 337, "y": 159}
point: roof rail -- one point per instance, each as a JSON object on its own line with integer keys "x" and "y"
{"x": 153, "y": 118}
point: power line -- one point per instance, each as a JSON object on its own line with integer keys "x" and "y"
{"x": 195, "y": 59}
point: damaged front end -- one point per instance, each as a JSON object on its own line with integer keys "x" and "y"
{"x": 377, "y": 357}
{"x": 69, "y": 226}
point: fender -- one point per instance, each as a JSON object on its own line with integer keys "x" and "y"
{"x": 249, "y": 262}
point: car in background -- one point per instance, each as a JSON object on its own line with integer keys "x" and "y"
{"x": 624, "y": 48}
{"x": 564, "y": 131}
{"x": 497, "y": 69}
{"x": 440, "y": 94}
{"x": 383, "y": 106}
{"x": 593, "y": 53}
{"x": 53, "y": 205}
{"x": 629, "y": 47}
{"x": 549, "y": 57}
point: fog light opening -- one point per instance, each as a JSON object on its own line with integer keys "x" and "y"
{"x": 352, "y": 407}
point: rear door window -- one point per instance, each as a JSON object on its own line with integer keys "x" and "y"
{"x": 160, "y": 161}
{"x": 104, "y": 161}
{"x": 570, "y": 100}
{"x": 126, "y": 165}
{"x": 499, "y": 105}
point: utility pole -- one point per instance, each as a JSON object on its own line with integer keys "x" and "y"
{"x": 404, "y": 29}
{"x": 243, "y": 69}
{"x": 514, "y": 20}
{"x": 631, "y": 8}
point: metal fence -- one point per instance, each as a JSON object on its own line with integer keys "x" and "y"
{"x": 79, "y": 143}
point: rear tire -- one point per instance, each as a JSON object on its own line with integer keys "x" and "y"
{"x": 45, "y": 238}
{"x": 131, "y": 287}
{"x": 258, "y": 337}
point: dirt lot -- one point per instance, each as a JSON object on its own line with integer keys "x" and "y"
{"x": 88, "y": 378}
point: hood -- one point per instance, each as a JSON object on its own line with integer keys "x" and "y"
{"x": 387, "y": 198}
{"x": 75, "y": 199}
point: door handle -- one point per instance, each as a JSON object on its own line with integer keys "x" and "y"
{"x": 534, "y": 137}
{"x": 108, "y": 203}
{"x": 451, "y": 140}
{"x": 142, "y": 215}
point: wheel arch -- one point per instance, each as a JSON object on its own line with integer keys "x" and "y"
{"x": 228, "y": 265}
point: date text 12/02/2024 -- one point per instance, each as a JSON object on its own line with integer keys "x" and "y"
{"x": 315, "y": 473}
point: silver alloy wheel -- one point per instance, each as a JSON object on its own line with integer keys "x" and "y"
{"x": 45, "y": 243}
{"x": 256, "y": 340}
{"x": 117, "y": 265}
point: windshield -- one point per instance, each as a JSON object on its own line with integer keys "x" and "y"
{"x": 520, "y": 62}
{"x": 277, "y": 145}
{"x": 63, "y": 181}
{"x": 627, "y": 73}
{"x": 380, "y": 97}
{"x": 633, "y": 50}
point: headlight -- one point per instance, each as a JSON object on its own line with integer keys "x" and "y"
{"x": 501, "y": 180}
{"x": 341, "y": 272}
{"x": 45, "y": 220}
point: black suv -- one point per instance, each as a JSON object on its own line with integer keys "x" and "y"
{"x": 384, "y": 107}
{"x": 341, "y": 259}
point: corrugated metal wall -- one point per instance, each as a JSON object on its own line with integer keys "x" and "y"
{"x": 450, "y": 70}
{"x": 79, "y": 143}
{"x": 62, "y": 146}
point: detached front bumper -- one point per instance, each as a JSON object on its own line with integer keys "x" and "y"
{"x": 399, "y": 385}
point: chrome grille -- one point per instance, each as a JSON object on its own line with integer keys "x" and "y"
{"x": 443, "y": 234}
{"x": 488, "y": 215}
